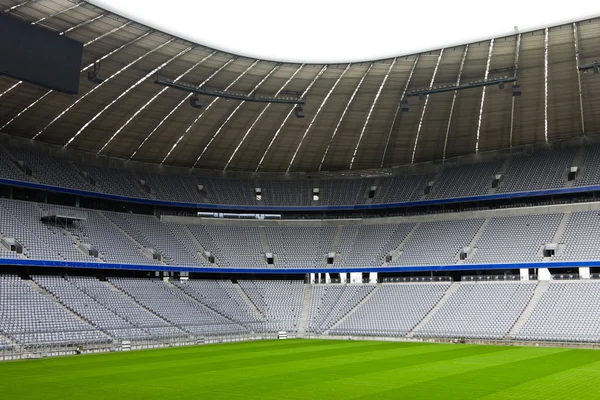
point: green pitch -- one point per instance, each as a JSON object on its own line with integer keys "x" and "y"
{"x": 311, "y": 369}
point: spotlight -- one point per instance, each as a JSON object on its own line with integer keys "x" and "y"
{"x": 516, "y": 90}
{"x": 404, "y": 106}
{"x": 501, "y": 85}
{"x": 93, "y": 75}
{"x": 299, "y": 111}
{"x": 195, "y": 101}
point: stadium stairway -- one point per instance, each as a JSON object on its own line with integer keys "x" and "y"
{"x": 248, "y": 300}
{"x": 195, "y": 240}
{"x": 540, "y": 289}
{"x": 560, "y": 231}
{"x": 77, "y": 243}
{"x": 263, "y": 239}
{"x": 336, "y": 239}
{"x": 131, "y": 298}
{"x": 202, "y": 303}
{"x": 396, "y": 252}
{"x": 127, "y": 235}
{"x": 476, "y": 238}
{"x": 502, "y": 171}
{"x": 50, "y": 296}
{"x": 577, "y": 160}
{"x": 305, "y": 308}
{"x": 356, "y": 307}
{"x": 453, "y": 288}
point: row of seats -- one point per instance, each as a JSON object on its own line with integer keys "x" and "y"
{"x": 56, "y": 310}
{"x": 146, "y": 240}
{"x": 542, "y": 170}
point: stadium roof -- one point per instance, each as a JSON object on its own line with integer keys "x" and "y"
{"x": 353, "y": 118}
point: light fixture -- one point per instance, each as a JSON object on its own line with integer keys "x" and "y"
{"x": 195, "y": 101}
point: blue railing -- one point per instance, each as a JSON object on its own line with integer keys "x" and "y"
{"x": 395, "y": 268}
{"x": 252, "y": 208}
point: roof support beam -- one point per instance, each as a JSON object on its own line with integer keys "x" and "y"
{"x": 288, "y": 116}
{"x": 343, "y": 115}
{"x": 362, "y": 132}
{"x": 162, "y": 121}
{"x": 66, "y": 110}
{"x": 512, "y": 107}
{"x": 437, "y": 64}
{"x": 487, "y": 72}
{"x": 233, "y": 113}
{"x": 206, "y": 110}
{"x": 387, "y": 142}
{"x": 79, "y": 25}
{"x": 260, "y": 115}
{"x": 576, "y": 44}
{"x": 546, "y": 85}
{"x": 316, "y": 115}
{"x": 135, "y": 114}
{"x": 460, "y": 71}
{"x": 123, "y": 94}
{"x": 23, "y": 3}
{"x": 57, "y": 13}
{"x": 85, "y": 68}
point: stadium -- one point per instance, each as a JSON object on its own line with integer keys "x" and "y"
{"x": 181, "y": 221}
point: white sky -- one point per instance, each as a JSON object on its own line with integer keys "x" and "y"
{"x": 329, "y": 31}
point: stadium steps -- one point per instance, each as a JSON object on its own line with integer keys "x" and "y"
{"x": 476, "y": 238}
{"x": 436, "y": 179}
{"x": 127, "y": 235}
{"x": 77, "y": 243}
{"x": 196, "y": 300}
{"x": 50, "y": 296}
{"x": 561, "y": 227}
{"x": 577, "y": 160}
{"x": 305, "y": 308}
{"x": 398, "y": 249}
{"x": 336, "y": 239}
{"x": 356, "y": 307}
{"x": 131, "y": 298}
{"x": 15, "y": 164}
{"x": 375, "y": 183}
{"x": 248, "y": 300}
{"x": 195, "y": 240}
{"x": 501, "y": 171}
{"x": 264, "y": 240}
{"x": 540, "y": 289}
{"x": 453, "y": 288}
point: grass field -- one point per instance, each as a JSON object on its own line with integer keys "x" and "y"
{"x": 311, "y": 369}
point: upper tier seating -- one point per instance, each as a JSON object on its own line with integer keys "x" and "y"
{"x": 542, "y": 170}
{"x": 465, "y": 180}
